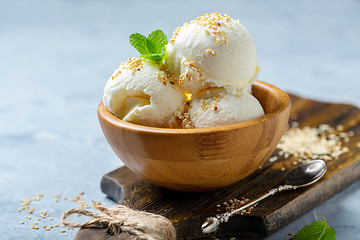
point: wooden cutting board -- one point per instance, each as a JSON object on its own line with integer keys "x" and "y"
{"x": 187, "y": 211}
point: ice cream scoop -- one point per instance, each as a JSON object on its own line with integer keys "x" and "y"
{"x": 212, "y": 50}
{"x": 215, "y": 107}
{"x": 142, "y": 93}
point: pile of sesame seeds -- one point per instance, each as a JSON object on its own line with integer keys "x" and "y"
{"x": 134, "y": 64}
{"x": 234, "y": 204}
{"x": 212, "y": 21}
{"x": 183, "y": 117}
{"x": 166, "y": 77}
{"x": 208, "y": 104}
{"x": 308, "y": 143}
{"x": 41, "y": 219}
{"x": 192, "y": 73}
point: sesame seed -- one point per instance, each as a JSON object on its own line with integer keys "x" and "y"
{"x": 211, "y": 52}
{"x": 340, "y": 127}
{"x": 21, "y": 222}
{"x": 62, "y": 231}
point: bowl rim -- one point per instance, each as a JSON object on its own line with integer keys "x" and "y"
{"x": 284, "y": 102}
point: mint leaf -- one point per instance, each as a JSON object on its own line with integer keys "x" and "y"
{"x": 156, "y": 41}
{"x": 138, "y": 41}
{"x": 154, "y": 57}
{"x": 151, "y": 47}
{"x": 318, "y": 230}
{"x": 157, "y": 57}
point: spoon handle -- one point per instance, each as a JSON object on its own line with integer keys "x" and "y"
{"x": 211, "y": 224}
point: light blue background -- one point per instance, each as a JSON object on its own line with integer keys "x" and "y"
{"x": 56, "y": 56}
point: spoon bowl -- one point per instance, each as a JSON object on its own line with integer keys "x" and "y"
{"x": 306, "y": 174}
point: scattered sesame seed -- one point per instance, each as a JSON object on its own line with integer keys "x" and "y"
{"x": 21, "y": 222}
{"x": 211, "y": 52}
{"x": 340, "y": 127}
{"x": 62, "y": 231}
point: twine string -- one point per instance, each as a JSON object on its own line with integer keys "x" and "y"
{"x": 119, "y": 218}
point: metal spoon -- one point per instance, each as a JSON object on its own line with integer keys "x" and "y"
{"x": 302, "y": 176}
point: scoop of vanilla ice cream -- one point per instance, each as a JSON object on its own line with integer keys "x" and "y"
{"x": 217, "y": 107}
{"x": 212, "y": 50}
{"x": 139, "y": 92}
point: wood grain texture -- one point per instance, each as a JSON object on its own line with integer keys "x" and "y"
{"x": 201, "y": 159}
{"x": 187, "y": 211}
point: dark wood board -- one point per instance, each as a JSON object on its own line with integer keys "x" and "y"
{"x": 187, "y": 211}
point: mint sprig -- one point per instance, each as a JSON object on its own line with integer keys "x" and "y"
{"x": 151, "y": 47}
{"x": 318, "y": 230}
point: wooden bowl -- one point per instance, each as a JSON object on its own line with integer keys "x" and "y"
{"x": 203, "y": 159}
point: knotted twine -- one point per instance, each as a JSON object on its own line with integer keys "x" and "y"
{"x": 118, "y": 218}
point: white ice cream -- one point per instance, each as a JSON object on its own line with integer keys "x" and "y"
{"x": 139, "y": 92}
{"x": 212, "y": 50}
{"x": 217, "y": 107}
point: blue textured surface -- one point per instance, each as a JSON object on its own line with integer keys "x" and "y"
{"x": 56, "y": 56}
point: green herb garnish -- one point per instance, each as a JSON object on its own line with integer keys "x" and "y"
{"x": 151, "y": 47}
{"x": 318, "y": 230}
